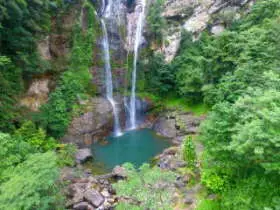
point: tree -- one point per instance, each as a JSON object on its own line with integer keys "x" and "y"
{"x": 13, "y": 151}
{"x": 189, "y": 154}
{"x": 31, "y": 184}
{"x": 156, "y": 22}
{"x": 37, "y": 138}
{"x": 159, "y": 76}
{"x": 74, "y": 83}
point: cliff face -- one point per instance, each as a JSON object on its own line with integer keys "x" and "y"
{"x": 121, "y": 17}
{"x": 196, "y": 16}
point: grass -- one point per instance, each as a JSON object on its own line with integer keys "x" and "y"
{"x": 174, "y": 102}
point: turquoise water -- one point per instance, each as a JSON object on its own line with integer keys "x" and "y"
{"x": 136, "y": 146}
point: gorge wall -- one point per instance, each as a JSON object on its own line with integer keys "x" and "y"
{"x": 181, "y": 15}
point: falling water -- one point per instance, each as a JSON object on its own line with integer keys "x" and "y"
{"x": 108, "y": 9}
{"x": 141, "y": 5}
{"x": 108, "y": 73}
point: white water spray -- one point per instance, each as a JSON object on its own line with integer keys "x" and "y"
{"x": 140, "y": 6}
{"x": 108, "y": 75}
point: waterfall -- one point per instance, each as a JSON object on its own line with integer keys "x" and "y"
{"x": 108, "y": 74}
{"x": 108, "y": 9}
{"x": 140, "y": 6}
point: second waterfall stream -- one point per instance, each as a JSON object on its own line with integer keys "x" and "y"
{"x": 140, "y": 7}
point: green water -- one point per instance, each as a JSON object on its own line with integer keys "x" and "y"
{"x": 137, "y": 147}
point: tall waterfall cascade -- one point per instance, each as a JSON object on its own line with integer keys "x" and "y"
{"x": 106, "y": 12}
{"x": 140, "y": 7}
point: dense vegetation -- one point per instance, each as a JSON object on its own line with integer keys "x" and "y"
{"x": 75, "y": 83}
{"x": 235, "y": 73}
{"x": 148, "y": 188}
{"x": 30, "y": 158}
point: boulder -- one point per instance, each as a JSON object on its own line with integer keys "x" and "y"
{"x": 83, "y": 155}
{"x": 94, "y": 197}
{"x": 119, "y": 172}
{"x": 217, "y": 29}
{"x": 83, "y": 206}
{"x": 188, "y": 200}
{"x": 165, "y": 127}
{"x": 76, "y": 193}
{"x": 95, "y": 122}
{"x": 177, "y": 9}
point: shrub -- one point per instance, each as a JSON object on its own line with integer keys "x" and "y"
{"x": 148, "y": 188}
{"x": 31, "y": 184}
{"x": 189, "y": 154}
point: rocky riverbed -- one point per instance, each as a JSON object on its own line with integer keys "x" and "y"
{"x": 89, "y": 191}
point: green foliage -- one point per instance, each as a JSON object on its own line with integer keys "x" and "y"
{"x": 256, "y": 192}
{"x": 20, "y": 20}
{"x": 13, "y": 151}
{"x": 223, "y": 67}
{"x": 159, "y": 78}
{"x": 37, "y": 138}
{"x": 187, "y": 67}
{"x": 10, "y": 88}
{"x": 208, "y": 205}
{"x": 31, "y": 184}
{"x": 148, "y": 188}
{"x": 246, "y": 131}
{"x": 214, "y": 182}
{"x": 238, "y": 73}
{"x": 74, "y": 83}
{"x": 156, "y": 22}
{"x": 189, "y": 154}
{"x": 66, "y": 155}
{"x": 22, "y": 23}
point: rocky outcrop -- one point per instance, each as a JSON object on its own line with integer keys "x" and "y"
{"x": 94, "y": 197}
{"x": 44, "y": 48}
{"x": 119, "y": 172}
{"x": 95, "y": 123}
{"x": 170, "y": 159}
{"x": 83, "y": 155}
{"x": 175, "y": 125}
{"x": 195, "y": 16}
{"x": 86, "y": 193}
{"x": 37, "y": 93}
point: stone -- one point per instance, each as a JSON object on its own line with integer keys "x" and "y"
{"x": 119, "y": 172}
{"x": 76, "y": 193}
{"x": 170, "y": 151}
{"x": 105, "y": 193}
{"x": 94, "y": 197}
{"x": 172, "y": 43}
{"x": 37, "y": 93}
{"x": 95, "y": 122}
{"x": 188, "y": 200}
{"x": 83, "y": 206}
{"x": 107, "y": 205}
{"x": 83, "y": 155}
{"x": 197, "y": 23}
{"x": 217, "y": 29}
{"x": 176, "y": 9}
{"x": 165, "y": 127}
{"x": 68, "y": 174}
